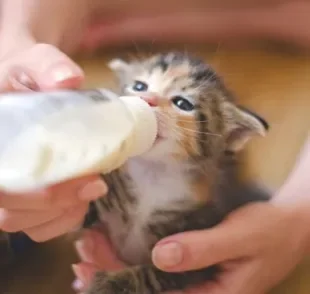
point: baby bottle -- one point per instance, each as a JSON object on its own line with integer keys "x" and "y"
{"x": 50, "y": 137}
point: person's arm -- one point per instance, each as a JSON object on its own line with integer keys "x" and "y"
{"x": 34, "y": 34}
{"x": 28, "y": 59}
{"x": 295, "y": 193}
{"x": 300, "y": 180}
{"x": 56, "y": 22}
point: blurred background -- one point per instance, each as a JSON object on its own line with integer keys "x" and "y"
{"x": 268, "y": 70}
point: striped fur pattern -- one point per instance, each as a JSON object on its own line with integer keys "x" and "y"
{"x": 187, "y": 181}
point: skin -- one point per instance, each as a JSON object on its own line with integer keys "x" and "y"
{"x": 30, "y": 65}
{"x": 202, "y": 21}
{"x": 257, "y": 245}
{"x": 36, "y": 42}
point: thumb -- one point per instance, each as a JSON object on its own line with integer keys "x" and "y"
{"x": 200, "y": 249}
{"x": 52, "y": 69}
{"x": 42, "y": 67}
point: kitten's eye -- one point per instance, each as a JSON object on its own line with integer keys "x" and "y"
{"x": 183, "y": 103}
{"x": 140, "y": 86}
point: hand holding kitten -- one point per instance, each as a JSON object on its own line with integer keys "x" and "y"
{"x": 258, "y": 246}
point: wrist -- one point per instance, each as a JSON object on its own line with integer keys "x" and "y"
{"x": 294, "y": 195}
{"x": 58, "y": 23}
{"x": 298, "y": 213}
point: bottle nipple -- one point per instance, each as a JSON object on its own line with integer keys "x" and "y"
{"x": 145, "y": 130}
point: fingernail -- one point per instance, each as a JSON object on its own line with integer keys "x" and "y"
{"x": 168, "y": 255}
{"x": 78, "y": 273}
{"x": 85, "y": 248}
{"x": 62, "y": 72}
{"x": 78, "y": 285}
{"x": 93, "y": 190}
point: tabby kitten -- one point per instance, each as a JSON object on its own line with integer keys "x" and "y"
{"x": 187, "y": 181}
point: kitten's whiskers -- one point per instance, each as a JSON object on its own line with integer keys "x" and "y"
{"x": 197, "y": 132}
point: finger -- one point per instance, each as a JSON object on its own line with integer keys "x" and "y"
{"x": 241, "y": 278}
{"x": 242, "y": 234}
{"x": 18, "y": 78}
{"x": 26, "y": 78}
{"x": 82, "y": 189}
{"x": 84, "y": 273}
{"x": 47, "y": 66}
{"x": 59, "y": 226}
{"x": 198, "y": 249}
{"x": 14, "y": 221}
{"x": 95, "y": 249}
{"x": 59, "y": 196}
{"x": 53, "y": 69}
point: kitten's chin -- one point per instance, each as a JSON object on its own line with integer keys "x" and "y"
{"x": 160, "y": 150}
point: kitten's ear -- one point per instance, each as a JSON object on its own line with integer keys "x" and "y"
{"x": 243, "y": 125}
{"x": 119, "y": 66}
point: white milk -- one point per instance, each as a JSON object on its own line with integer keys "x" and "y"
{"x": 46, "y": 138}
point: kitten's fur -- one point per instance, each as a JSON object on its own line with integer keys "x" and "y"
{"x": 187, "y": 181}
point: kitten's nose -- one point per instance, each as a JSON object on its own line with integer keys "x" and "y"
{"x": 152, "y": 100}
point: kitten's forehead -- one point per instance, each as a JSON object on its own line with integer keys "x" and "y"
{"x": 180, "y": 64}
{"x": 178, "y": 70}
{"x": 171, "y": 62}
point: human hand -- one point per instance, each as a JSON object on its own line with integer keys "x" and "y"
{"x": 96, "y": 254}
{"x": 32, "y": 66}
{"x": 257, "y": 246}
{"x": 43, "y": 215}
{"x": 49, "y": 213}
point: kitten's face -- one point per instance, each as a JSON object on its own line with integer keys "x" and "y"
{"x": 195, "y": 113}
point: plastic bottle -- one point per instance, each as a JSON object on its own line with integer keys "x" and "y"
{"x": 50, "y": 137}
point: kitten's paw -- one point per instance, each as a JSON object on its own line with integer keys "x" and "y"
{"x": 118, "y": 283}
{"x": 98, "y": 283}
{"x": 109, "y": 287}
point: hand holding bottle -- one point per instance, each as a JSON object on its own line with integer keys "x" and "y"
{"x": 46, "y": 214}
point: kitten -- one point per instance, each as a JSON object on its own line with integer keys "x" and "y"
{"x": 187, "y": 181}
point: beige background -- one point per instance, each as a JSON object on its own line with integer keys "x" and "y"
{"x": 276, "y": 85}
